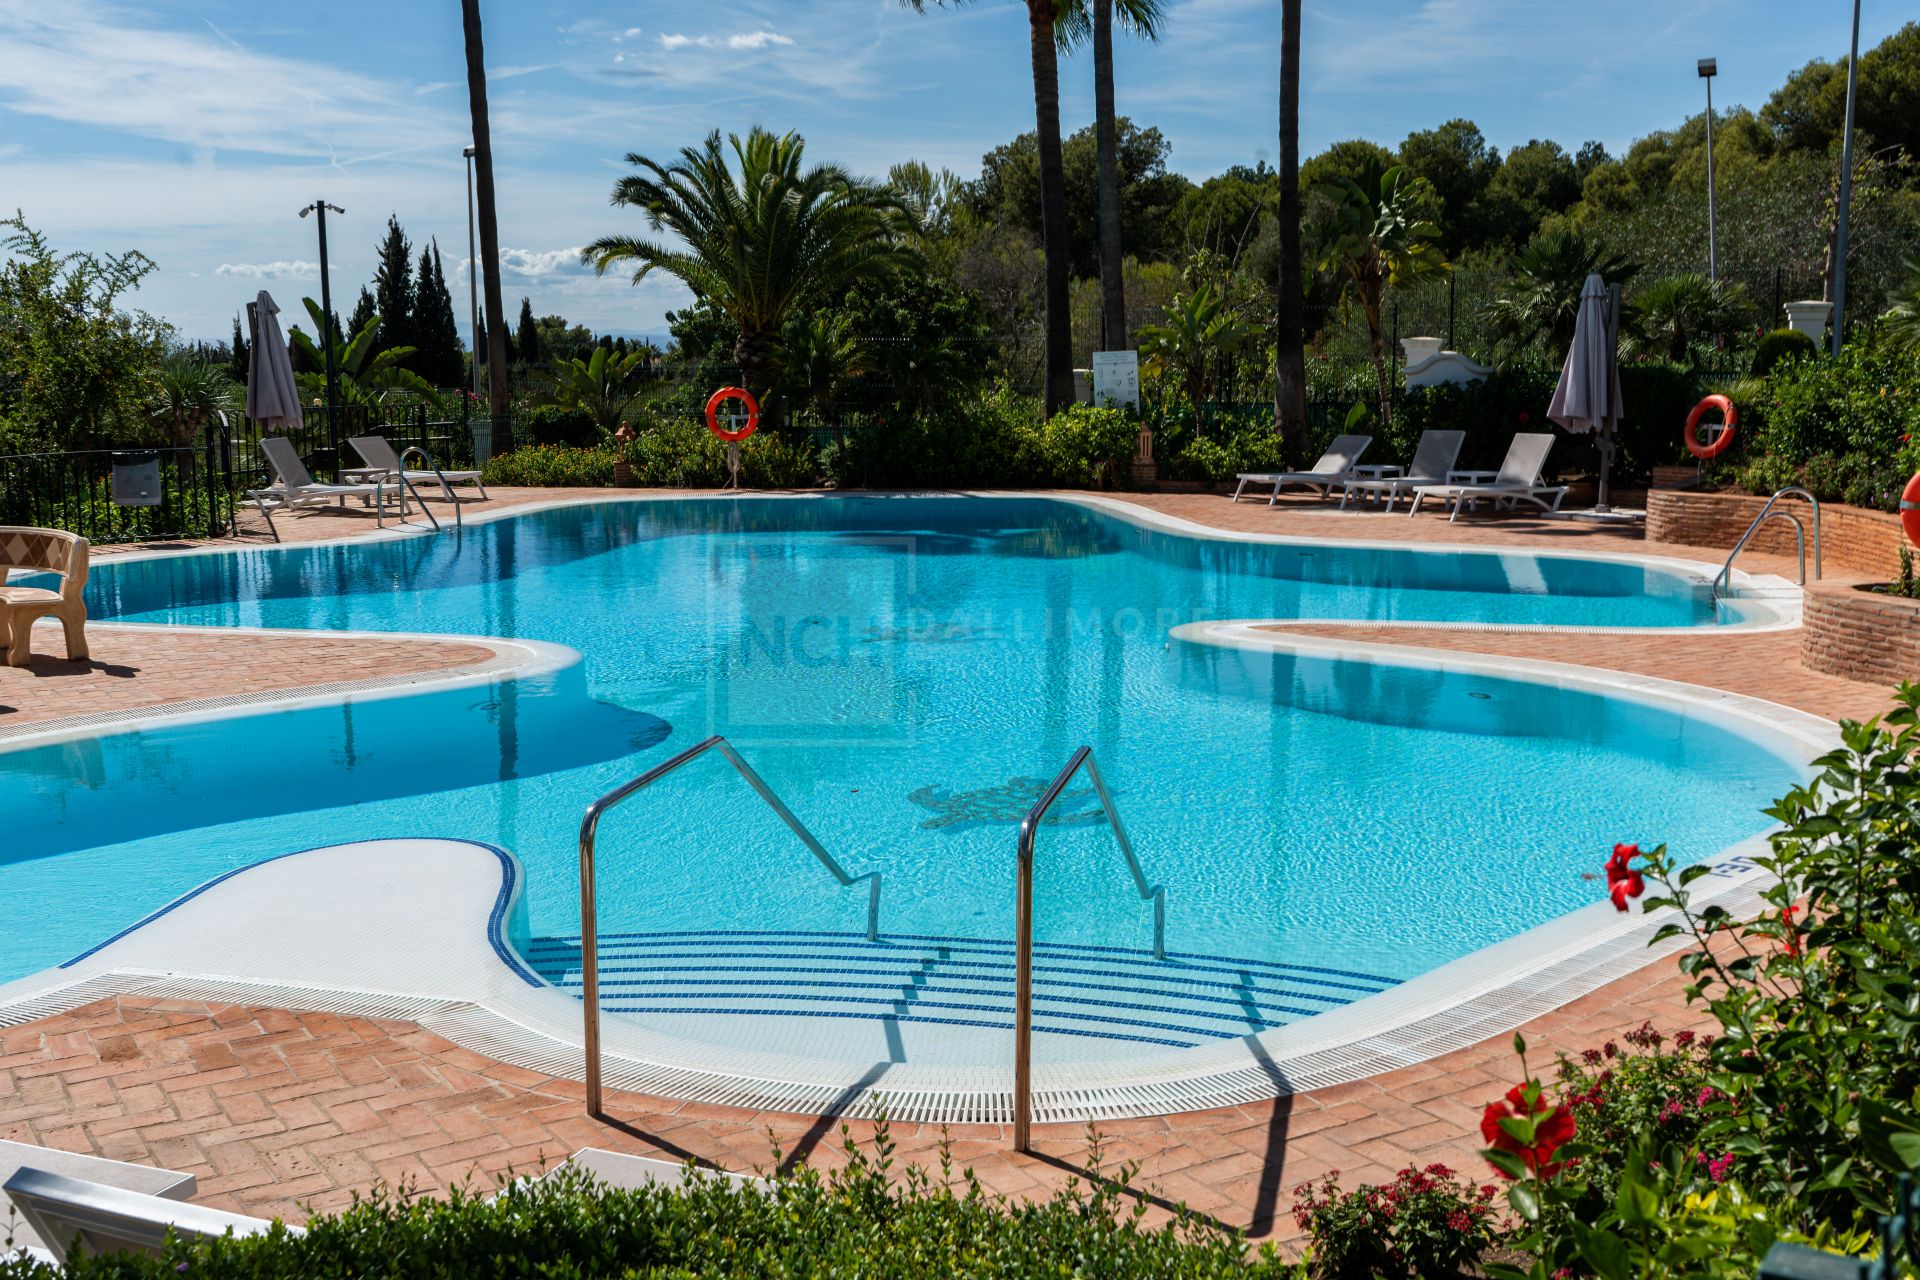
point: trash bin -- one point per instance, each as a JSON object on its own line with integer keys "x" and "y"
{"x": 136, "y": 478}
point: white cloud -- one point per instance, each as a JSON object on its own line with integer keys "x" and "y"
{"x": 536, "y": 263}
{"x": 280, "y": 269}
{"x": 760, "y": 39}
{"x": 198, "y": 88}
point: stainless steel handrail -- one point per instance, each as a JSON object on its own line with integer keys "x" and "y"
{"x": 1023, "y": 930}
{"x": 589, "y": 912}
{"x": 1725, "y": 577}
{"x": 445, "y": 488}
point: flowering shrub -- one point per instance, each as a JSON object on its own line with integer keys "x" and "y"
{"x": 1426, "y": 1223}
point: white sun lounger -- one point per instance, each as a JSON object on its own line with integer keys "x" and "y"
{"x": 381, "y": 459}
{"x": 1517, "y": 481}
{"x": 1335, "y": 467}
{"x": 1433, "y": 460}
{"x": 293, "y": 485}
{"x": 65, "y": 1213}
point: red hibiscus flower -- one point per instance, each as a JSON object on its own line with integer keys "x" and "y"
{"x": 1553, "y": 1128}
{"x": 1623, "y": 881}
{"x": 1792, "y": 934}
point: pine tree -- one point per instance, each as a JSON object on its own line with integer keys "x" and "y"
{"x": 529, "y": 335}
{"x": 363, "y": 311}
{"x": 436, "y": 333}
{"x": 393, "y": 294}
{"x": 238, "y": 364}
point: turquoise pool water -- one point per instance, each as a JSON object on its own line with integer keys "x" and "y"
{"x": 904, "y": 671}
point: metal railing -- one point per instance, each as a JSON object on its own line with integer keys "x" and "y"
{"x": 1724, "y": 580}
{"x": 1897, "y": 1238}
{"x": 1023, "y": 929}
{"x": 589, "y": 911}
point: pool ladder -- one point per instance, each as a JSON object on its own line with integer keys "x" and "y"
{"x": 1023, "y": 929}
{"x": 589, "y": 912}
{"x": 1723, "y": 583}
{"x": 428, "y": 464}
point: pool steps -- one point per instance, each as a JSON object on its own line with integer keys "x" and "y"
{"x": 1111, "y": 993}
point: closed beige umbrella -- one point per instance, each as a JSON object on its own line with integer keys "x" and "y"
{"x": 1587, "y": 397}
{"x": 273, "y": 398}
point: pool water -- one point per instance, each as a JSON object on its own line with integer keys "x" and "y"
{"x": 906, "y": 673}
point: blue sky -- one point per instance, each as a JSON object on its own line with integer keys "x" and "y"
{"x": 194, "y": 132}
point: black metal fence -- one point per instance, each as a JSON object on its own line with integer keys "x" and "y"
{"x": 120, "y": 495}
{"x": 192, "y": 490}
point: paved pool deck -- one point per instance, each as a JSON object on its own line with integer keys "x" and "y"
{"x": 284, "y": 1112}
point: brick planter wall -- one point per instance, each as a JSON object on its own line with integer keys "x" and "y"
{"x": 1852, "y": 540}
{"x": 1861, "y": 635}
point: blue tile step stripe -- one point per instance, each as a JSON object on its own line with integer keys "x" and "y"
{"x": 1113, "y": 993}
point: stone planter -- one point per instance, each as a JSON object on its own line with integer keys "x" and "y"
{"x": 1862, "y": 634}
{"x": 1686, "y": 476}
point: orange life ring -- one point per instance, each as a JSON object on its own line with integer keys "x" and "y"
{"x": 1910, "y": 509}
{"x": 1729, "y": 417}
{"x": 732, "y": 435}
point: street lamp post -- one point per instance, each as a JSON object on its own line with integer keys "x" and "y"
{"x": 328, "y": 338}
{"x": 1709, "y": 68}
{"x": 1846, "y": 191}
{"x": 473, "y": 282}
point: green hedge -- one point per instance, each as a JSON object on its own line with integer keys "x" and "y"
{"x": 869, "y": 1220}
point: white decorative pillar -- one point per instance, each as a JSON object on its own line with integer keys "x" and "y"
{"x": 1810, "y": 318}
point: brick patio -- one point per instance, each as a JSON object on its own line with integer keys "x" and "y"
{"x": 282, "y": 1112}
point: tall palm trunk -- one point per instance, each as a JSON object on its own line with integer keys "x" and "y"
{"x": 1290, "y": 356}
{"x": 1113, "y": 288}
{"x": 1053, "y": 204}
{"x": 755, "y": 352}
{"x": 499, "y": 400}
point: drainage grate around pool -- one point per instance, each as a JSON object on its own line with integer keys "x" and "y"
{"x": 1110, "y": 993}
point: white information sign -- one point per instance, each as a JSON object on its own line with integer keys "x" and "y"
{"x": 1116, "y": 379}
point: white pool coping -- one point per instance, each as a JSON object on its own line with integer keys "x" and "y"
{"x": 314, "y": 937}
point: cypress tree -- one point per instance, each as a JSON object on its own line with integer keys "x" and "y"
{"x": 435, "y": 331}
{"x": 529, "y": 336}
{"x": 362, "y": 312}
{"x": 238, "y": 362}
{"x": 393, "y": 292}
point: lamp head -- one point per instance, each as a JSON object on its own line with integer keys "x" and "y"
{"x": 1709, "y": 68}
{"x": 470, "y": 152}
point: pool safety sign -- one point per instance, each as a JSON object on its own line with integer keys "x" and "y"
{"x": 1116, "y": 379}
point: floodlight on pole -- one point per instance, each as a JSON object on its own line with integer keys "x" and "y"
{"x": 1709, "y": 68}
{"x": 328, "y": 338}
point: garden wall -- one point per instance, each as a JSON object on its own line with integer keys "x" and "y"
{"x": 1852, "y": 541}
{"x": 1860, "y": 634}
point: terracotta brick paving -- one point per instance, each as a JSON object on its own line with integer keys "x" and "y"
{"x": 284, "y": 1113}
{"x": 132, "y": 668}
{"x": 279, "y": 1112}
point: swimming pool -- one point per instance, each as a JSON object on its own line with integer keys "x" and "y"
{"x": 906, "y": 673}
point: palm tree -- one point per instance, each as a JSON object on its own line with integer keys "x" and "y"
{"x": 368, "y": 375}
{"x": 1142, "y": 18}
{"x": 499, "y": 399}
{"x": 1377, "y": 238}
{"x": 774, "y": 241}
{"x": 1290, "y": 340}
{"x": 1670, "y": 317}
{"x": 1549, "y": 274}
{"x": 821, "y": 360}
{"x": 1198, "y": 332}
{"x": 603, "y": 385}
{"x": 1042, "y": 18}
{"x": 184, "y": 394}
